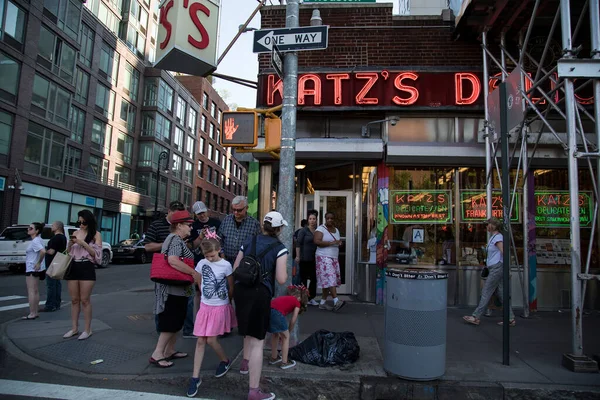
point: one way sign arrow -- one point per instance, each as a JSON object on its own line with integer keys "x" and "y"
{"x": 291, "y": 39}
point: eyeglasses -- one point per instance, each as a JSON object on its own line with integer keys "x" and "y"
{"x": 30, "y": 229}
{"x": 238, "y": 210}
{"x": 82, "y": 223}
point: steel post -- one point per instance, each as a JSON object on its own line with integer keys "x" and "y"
{"x": 525, "y": 195}
{"x": 505, "y": 225}
{"x": 488, "y": 140}
{"x": 576, "y": 325}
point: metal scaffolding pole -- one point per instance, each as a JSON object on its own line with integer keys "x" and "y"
{"x": 488, "y": 140}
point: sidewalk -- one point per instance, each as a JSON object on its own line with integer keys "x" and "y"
{"x": 124, "y": 337}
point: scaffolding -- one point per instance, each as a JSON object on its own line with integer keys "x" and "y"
{"x": 547, "y": 89}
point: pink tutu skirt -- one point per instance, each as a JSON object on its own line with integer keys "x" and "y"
{"x": 214, "y": 320}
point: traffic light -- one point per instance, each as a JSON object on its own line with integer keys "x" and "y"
{"x": 239, "y": 129}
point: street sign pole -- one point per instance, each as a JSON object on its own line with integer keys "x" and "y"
{"x": 506, "y": 225}
{"x": 277, "y": 61}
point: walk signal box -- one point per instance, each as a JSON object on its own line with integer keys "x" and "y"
{"x": 239, "y": 129}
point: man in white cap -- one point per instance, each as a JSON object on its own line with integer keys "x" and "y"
{"x": 202, "y": 223}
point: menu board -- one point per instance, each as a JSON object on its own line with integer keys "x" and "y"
{"x": 553, "y": 208}
{"x": 473, "y": 206}
{"x": 553, "y": 251}
{"x": 420, "y": 206}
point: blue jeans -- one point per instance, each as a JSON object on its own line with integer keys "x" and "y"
{"x": 53, "y": 293}
{"x": 188, "y": 325}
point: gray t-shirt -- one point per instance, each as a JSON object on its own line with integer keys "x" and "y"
{"x": 306, "y": 244}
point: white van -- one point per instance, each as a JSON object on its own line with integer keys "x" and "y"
{"x": 14, "y": 241}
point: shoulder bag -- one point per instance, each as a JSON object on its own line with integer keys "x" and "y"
{"x": 162, "y": 272}
{"x": 59, "y": 266}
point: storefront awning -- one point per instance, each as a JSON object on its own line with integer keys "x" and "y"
{"x": 342, "y": 148}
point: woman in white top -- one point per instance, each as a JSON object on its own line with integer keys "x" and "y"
{"x": 494, "y": 263}
{"x": 35, "y": 270}
{"x": 327, "y": 239}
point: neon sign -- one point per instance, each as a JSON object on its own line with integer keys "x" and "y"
{"x": 553, "y": 209}
{"x": 420, "y": 206}
{"x": 473, "y": 206}
{"x": 378, "y": 88}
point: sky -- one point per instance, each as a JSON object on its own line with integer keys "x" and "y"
{"x": 240, "y": 61}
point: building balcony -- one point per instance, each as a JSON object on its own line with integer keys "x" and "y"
{"x": 92, "y": 177}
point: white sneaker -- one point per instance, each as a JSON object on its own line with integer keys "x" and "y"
{"x": 313, "y": 302}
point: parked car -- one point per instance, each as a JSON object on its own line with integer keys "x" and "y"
{"x": 131, "y": 250}
{"x": 14, "y": 241}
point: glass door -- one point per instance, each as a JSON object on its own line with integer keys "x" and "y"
{"x": 340, "y": 204}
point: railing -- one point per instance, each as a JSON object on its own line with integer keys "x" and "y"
{"x": 89, "y": 176}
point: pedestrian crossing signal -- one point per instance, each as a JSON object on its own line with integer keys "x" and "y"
{"x": 239, "y": 129}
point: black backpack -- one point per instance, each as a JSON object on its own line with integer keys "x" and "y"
{"x": 250, "y": 272}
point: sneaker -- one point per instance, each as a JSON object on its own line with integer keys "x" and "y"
{"x": 289, "y": 364}
{"x": 244, "y": 367}
{"x": 337, "y": 306}
{"x": 325, "y": 307}
{"x": 489, "y": 313}
{"x": 223, "y": 368}
{"x": 260, "y": 395}
{"x": 193, "y": 388}
{"x": 313, "y": 302}
{"x": 273, "y": 361}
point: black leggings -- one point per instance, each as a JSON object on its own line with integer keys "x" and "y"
{"x": 308, "y": 270}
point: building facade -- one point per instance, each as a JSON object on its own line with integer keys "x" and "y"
{"x": 84, "y": 117}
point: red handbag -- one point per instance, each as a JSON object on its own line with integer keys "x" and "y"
{"x": 162, "y": 272}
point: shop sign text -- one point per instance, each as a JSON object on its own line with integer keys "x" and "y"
{"x": 420, "y": 206}
{"x": 553, "y": 209}
{"x": 473, "y": 206}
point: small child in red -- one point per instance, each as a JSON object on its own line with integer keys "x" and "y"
{"x": 295, "y": 304}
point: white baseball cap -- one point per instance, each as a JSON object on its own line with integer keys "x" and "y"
{"x": 275, "y": 218}
{"x": 199, "y": 207}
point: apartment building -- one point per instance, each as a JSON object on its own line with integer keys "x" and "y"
{"x": 84, "y": 118}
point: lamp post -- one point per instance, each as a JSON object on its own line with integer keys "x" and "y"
{"x": 365, "y": 128}
{"x": 162, "y": 156}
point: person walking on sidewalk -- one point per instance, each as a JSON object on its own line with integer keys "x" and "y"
{"x": 35, "y": 270}
{"x": 237, "y": 228}
{"x": 253, "y": 303}
{"x": 294, "y": 303}
{"x": 216, "y": 316}
{"x": 170, "y": 301}
{"x": 328, "y": 240}
{"x": 494, "y": 262}
{"x": 305, "y": 256}
{"x": 56, "y": 244}
{"x": 85, "y": 248}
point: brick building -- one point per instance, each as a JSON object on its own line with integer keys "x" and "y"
{"x": 84, "y": 118}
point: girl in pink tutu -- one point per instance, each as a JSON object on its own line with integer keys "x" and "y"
{"x": 216, "y": 315}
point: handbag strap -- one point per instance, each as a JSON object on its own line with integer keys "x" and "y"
{"x": 330, "y": 234}
{"x": 169, "y": 245}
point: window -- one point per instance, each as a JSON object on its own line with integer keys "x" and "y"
{"x": 213, "y": 110}
{"x": 189, "y": 172}
{"x": 125, "y": 147}
{"x": 131, "y": 82}
{"x": 223, "y": 161}
{"x": 217, "y": 158}
{"x": 211, "y": 132}
{"x": 65, "y": 13}
{"x": 199, "y": 194}
{"x": 187, "y": 195}
{"x": 10, "y": 72}
{"x": 189, "y": 147}
{"x": 128, "y": 114}
{"x": 203, "y": 124}
{"x": 209, "y": 174}
{"x": 175, "y": 191}
{"x": 73, "y": 163}
{"x": 180, "y": 112}
{"x": 200, "y": 170}
{"x": 154, "y": 124}
{"x": 146, "y": 182}
{"x": 215, "y": 201}
{"x": 101, "y": 136}
{"x": 6, "y": 124}
{"x": 210, "y": 151}
{"x": 86, "y": 40}
{"x": 56, "y": 55}
{"x": 226, "y": 205}
{"x": 98, "y": 168}
{"x": 12, "y": 24}
{"x": 222, "y": 205}
{"x": 122, "y": 174}
{"x": 176, "y": 168}
{"x": 208, "y": 197}
{"x": 105, "y": 101}
{"x": 109, "y": 63}
{"x": 138, "y": 16}
{"x": 193, "y": 120}
{"x": 44, "y": 152}
{"x": 82, "y": 85}
{"x": 50, "y": 101}
{"x": 108, "y": 18}
{"x": 219, "y": 116}
{"x": 135, "y": 41}
{"x": 77, "y": 124}
{"x": 165, "y": 97}
{"x": 202, "y": 145}
{"x": 149, "y": 153}
{"x": 178, "y": 139}
{"x": 205, "y": 101}
{"x": 216, "y": 176}
{"x": 150, "y": 92}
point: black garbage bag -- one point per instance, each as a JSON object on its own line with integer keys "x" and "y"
{"x": 324, "y": 348}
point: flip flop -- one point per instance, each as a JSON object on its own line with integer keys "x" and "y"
{"x": 176, "y": 355}
{"x": 158, "y": 362}
{"x": 28, "y": 318}
{"x": 471, "y": 320}
{"x": 511, "y": 323}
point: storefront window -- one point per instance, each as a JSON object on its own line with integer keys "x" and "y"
{"x": 32, "y": 210}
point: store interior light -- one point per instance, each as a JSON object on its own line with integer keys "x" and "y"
{"x": 300, "y": 166}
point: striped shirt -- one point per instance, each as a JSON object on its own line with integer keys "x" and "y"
{"x": 158, "y": 231}
{"x": 232, "y": 236}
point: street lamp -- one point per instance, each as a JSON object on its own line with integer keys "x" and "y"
{"x": 162, "y": 156}
{"x": 365, "y": 128}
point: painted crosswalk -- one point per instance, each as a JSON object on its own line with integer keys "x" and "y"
{"x": 63, "y": 392}
{"x": 18, "y": 302}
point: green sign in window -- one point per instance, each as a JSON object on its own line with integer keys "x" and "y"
{"x": 553, "y": 208}
{"x": 420, "y": 206}
{"x": 473, "y": 206}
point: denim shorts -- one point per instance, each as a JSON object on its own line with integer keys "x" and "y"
{"x": 278, "y": 322}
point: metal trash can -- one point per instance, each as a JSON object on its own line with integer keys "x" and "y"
{"x": 366, "y": 282}
{"x": 415, "y": 323}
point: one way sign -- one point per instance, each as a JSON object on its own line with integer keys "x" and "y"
{"x": 291, "y": 39}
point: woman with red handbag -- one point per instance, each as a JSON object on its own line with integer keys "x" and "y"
{"x": 171, "y": 300}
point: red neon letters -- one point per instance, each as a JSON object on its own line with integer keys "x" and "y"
{"x": 193, "y": 12}
{"x": 372, "y": 78}
{"x": 414, "y": 93}
{"x": 474, "y": 80}
{"x": 303, "y": 91}
{"x": 337, "y": 86}
{"x": 164, "y": 10}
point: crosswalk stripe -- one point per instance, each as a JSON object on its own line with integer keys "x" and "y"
{"x": 8, "y": 298}
{"x": 16, "y": 306}
{"x": 51, "y": 391}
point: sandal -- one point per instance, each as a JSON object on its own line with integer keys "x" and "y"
{"x": 511, "y": 323}
{"x": 176, "y": 355}
{"x": 158, "y": 362}
{"x": 471, "y": 319}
